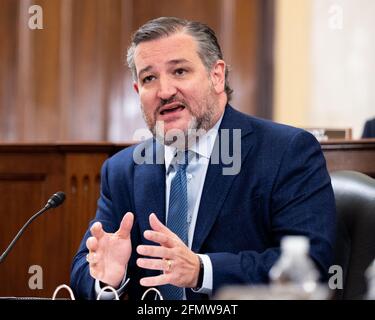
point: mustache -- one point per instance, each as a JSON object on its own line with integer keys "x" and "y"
{"x": 172, "y": 99}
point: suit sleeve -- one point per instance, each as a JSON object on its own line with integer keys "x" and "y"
{"x": 301, "y": 203}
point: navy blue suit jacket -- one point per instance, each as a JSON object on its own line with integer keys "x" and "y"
{"x": 283, "y": 188}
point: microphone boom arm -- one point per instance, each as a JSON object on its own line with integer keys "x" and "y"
{"x": 53, "y": 202}
{"x": 4, "y": 255}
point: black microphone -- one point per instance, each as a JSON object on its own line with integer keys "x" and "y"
{"x": 53, "y": 202}
{"x": 57, "y": 199}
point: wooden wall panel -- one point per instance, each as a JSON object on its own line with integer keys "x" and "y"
{"x": 69, "y": 81}
{"x": 206, "y": 11}
{"x": 13, "y": 214}
{"x": 241, "y": 50}
{"x": 43, "y": 112}
{"x": 8, "y": 66}
{"x": 29, "y": 175}
{"x": 26, "y": 183}
{"x": 87, "y": 71}
{"x": 57, "y": 83}
{"x": 82, "y": 181}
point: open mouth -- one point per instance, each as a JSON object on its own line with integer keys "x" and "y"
{"x": 176, "y": 108}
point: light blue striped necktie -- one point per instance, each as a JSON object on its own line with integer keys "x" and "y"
{"x": 178, "y": 215}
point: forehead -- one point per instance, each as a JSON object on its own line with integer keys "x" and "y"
{"x": 159, "y": 51}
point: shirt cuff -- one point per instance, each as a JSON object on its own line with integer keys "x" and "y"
{"x": 109, "y": 295}
{"x": 207, "y": 275}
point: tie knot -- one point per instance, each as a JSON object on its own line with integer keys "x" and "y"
{"x": 182, "y": 159}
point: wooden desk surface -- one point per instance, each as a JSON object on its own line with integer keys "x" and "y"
{"x": 358, "y": 155}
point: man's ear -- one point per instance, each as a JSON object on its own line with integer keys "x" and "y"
{"x": 135, "y": 86}
{"x": 218, "y": 76}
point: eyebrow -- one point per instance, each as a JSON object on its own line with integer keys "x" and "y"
{"x": 148, "y": 68}
{"x": 171, "y": 62}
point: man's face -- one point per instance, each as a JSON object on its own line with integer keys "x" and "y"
{"x": 175, "y": 88}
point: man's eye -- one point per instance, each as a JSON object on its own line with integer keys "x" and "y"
{"x": 148, "y": 79}
{"x": 180, "y": 71}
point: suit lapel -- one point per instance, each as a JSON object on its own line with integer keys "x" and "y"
{"x": 149, "y": 182}
{"x": 149, "y": 188}
{"x": 217, "y": 185}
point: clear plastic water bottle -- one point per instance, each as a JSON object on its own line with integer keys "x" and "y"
{"x": 295, "y": 268}
{"x": 370, "y": 277}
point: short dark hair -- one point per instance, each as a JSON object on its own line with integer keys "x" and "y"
{"x": 208, "y": 47}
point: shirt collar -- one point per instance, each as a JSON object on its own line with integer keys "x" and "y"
{"x": 203, "y": 147}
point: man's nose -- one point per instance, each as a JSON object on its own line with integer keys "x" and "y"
{"x": 166, "y": 88}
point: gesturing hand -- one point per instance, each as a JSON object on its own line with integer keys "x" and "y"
{"x": 179, "y": 263}
{"x": 109, "y": 253}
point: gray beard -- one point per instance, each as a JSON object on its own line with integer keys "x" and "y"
{"x": 181, "y": 139}
{"x": 197, "y": 127}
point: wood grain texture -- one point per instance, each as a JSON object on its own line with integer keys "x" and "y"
{"x": 29, "y": 175}
{"x": 69, "y": 81}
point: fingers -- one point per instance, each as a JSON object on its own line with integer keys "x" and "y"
{"x": 153, "y": 251}
{"x": 155, "y": 281}
{"x": 126, "y": 225}
{"x": 92, "y": 258}
{"x": 164, "y": 265}
{"x": 97, "y": 230}
{"x": 92, "y": 244}
{"x": 161, "y": 238}
{"x": 95, "y": 270}
{"x": 152, "y": 264}
{"x": 157, "y": 225}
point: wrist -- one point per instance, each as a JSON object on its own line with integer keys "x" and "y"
{"x": 114, "y": 285}
{"x": 116, "y": 280}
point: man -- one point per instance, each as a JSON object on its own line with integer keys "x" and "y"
{"x": 190, "y": 227}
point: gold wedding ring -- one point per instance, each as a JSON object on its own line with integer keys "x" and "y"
{"x": 169, "y": 265}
